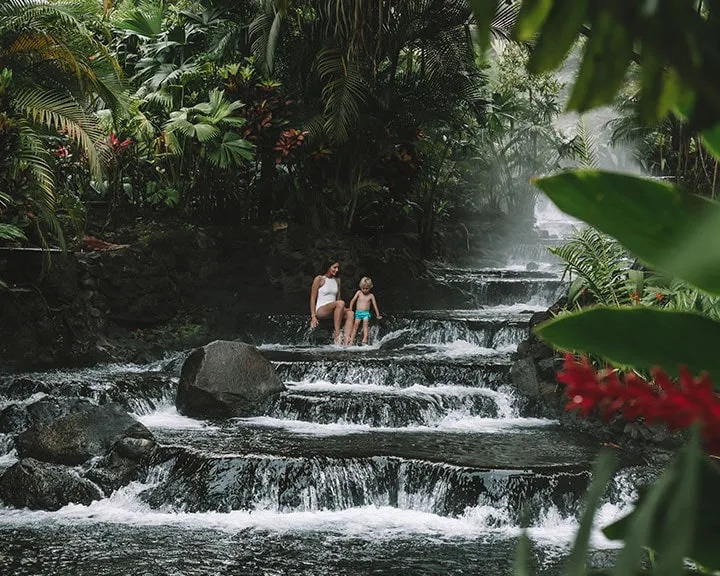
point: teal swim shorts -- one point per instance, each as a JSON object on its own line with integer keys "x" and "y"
{"x": 362, "y": 315}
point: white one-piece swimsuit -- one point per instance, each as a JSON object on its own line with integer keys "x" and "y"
{"x": 326, "y": 293}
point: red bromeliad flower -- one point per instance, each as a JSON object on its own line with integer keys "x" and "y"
{"x": 116, "y": 145}
{"x": 661, "y": 400}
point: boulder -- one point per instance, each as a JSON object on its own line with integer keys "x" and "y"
{"x": 127, "y": 461}
{"x": 37, "y": 485}
{"x": 525, "y": 379}
{"x": 226, "y": 379}
{"x": 13, "y": 418}
{"x": 79, "y": 436}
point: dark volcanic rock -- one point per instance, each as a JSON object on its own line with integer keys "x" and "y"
{"x": 18, "y": 417}
{"x": 14, "y": 418}
{"x": 30, "y": 483}
{"x": 126, "y": 462}
{"x": 224, "y": 379}
{"x": 75, "y": 438}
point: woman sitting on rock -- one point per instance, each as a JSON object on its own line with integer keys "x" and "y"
{"x": 325, "y": 302}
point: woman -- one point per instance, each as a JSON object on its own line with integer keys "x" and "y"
{"x": 325, "y": 302}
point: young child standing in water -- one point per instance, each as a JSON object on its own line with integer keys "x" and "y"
{"x": 362, "y": 300}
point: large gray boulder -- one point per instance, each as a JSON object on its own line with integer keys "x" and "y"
{"x": 30, "y": 483}
{"x": 225, "y": 379}
{"x": 77, "y": 437}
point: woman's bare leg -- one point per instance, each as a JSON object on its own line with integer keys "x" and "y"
{"x": 335, "y": 311}
{"x": 348, "y": 325}
{"x": 353, "y": 332}
{"x": 337, "y": 318}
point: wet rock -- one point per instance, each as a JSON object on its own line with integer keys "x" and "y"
{"x": 525, "y": 378}
{"x": 17, "y": 417}
{"x": 396, "y": 340}
{"x": 174, "y": 365}
{"x": 225, "y": 379}
{"x": 37, "y": 485}
{"x": 14, "y": 418}
{"x": 77, "y": 437}
{"x": 48, "y": 409}
{"x": 21, "y": 387}
{"x": 126, "y": 462}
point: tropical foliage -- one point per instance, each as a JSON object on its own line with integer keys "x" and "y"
{"x": 52, "y": 73}
{"x": 350, "y": 115}
{"x": 666, "y": 228}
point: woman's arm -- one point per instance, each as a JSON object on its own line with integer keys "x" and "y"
{"x": 374, "y": 303}
{"x": 338, "y": 296}
{"x": 313, "y": 299}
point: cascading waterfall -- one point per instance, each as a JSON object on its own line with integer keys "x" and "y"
{"x": 412, "y": 455}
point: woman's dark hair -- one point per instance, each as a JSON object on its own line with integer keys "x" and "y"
{"x": 329, "y": 262}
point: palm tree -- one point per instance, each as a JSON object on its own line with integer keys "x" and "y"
{"x": 371, "y": 74}
{"x": 203, "y": 137}
{"x": 55, "y": 73}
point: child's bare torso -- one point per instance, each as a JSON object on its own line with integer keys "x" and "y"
{"x": 364, "y": 301}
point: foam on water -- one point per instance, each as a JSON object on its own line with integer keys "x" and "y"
{"x": 368, "y": 522}
{"x": 414, "y": 390}
{"x": 8, "y": 459}
{"x": 167, "y": 416}
{"x": 457, "y": 421}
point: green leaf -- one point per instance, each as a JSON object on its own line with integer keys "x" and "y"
{"x": 522, "y": 556}
{"x": 639, "y": 337}
{"x": 607, "y": 56}
{"x": 711, "y": 140}
{"x": 602, "y": 473}
{"x": 530, "y": 18}
{"x": 231, "y": 151}
{"x": 11, "y": 232}
{"x": 678, "y": 516}
{"x": 558, "y": 35}
{"x": 660, "y": 90}
{"x": 484, "y": 11}
{"x": 670, "y": 230}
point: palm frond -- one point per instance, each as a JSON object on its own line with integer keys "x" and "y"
{"x": 232, "y": 150}
{"x": 344, "y": 92}
{"x": 584, "y": 147}
{"x": 145, "y": 20}
{"x": 33, "y": 154}
{"x": 12, "y": 233}
{"x": 62, "y": 112}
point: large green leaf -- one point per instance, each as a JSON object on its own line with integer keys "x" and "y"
{"x": 607, "y": 55}
{"x": 673, "y": 231}
{"x": 640, "y": 337}
{"x": 602, "y": 473}
{"x": 530, "y": 18}
{"x": 558, "y": 34}
{"x": 484, "y": 11}
{"x": 711, "y": 139}
{"x": 678, "y": 516}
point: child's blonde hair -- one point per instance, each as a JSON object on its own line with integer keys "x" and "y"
{"x": 365, "y": 282}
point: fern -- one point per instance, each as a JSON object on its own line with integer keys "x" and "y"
{"x": 601, "y": 265}
{"x": 584, "y": 147}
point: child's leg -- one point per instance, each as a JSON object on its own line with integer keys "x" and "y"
{"x": 365, "y": 331}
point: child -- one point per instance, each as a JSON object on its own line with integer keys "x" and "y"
{"x": 363, "y": 299}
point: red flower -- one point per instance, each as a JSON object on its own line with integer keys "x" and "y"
{"x": 661, "y": 400}
{"x": 62, "y": 152}
{"x": 116, "y": 145}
